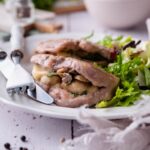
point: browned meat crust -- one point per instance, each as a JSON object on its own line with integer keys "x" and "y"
{"x": 106, "y": 82}
{"x": 96, "y": 75}
{"x": 56, "y": 46}
{"x": 80, "y": 46}
{"x": 63, "y": 98}
{"x": 89, "y": 47}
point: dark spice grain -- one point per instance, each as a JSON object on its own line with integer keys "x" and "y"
{"x": 9, "y": 111}
{"x": 23, "y": 138}
{"x": 34, "y": 117}
{"x": 15, "y": 136}
{"x": 23, "y": 148}
{"x": 40, "y": 116}
{"x": 7, "y": 146}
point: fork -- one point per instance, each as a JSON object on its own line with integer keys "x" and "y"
{"x": 20, "y": 81}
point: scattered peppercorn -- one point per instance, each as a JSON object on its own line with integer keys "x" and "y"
{"x": 7, "y": 146}
{"x": 40, "y": 116}
{"x": 34, "y": 117}
{"x": 23, "y": 148}
{"x": 23, "y": 138}
{"x": 9, "y": 111}
{"x": 63, "y": 140}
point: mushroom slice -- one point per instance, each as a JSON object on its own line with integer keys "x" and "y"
{"x": 76, "y": 87}
{"x": 50, "y": 80}
{"x": 67, "y": 78}
{"x": 62, "y": 70}
{"x": 81, "y": 78}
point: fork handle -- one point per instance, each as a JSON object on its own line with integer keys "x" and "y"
{"x": 17, "y": 43}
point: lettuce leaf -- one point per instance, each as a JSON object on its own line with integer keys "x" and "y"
{"x": 147, "y": 77}
{"x": 118, "y": 42}
{"x": 122, "y": 97}
{"x": 133, "y": 71}
{"x": 125, "y": 71}
{"x": 128, "y": 91}
{"x": 144, "y": 77}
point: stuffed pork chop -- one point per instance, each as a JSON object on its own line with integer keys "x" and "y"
{"x": 65, "y": 69}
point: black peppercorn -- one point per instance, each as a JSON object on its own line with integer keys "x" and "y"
{"x": 23, "y": 138}
{"x": 7, "y": 146}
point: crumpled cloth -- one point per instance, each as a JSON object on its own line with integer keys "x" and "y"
{"x": 113, "y": 135}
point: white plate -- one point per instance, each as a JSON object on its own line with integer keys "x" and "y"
{"x": 52, "y": 110}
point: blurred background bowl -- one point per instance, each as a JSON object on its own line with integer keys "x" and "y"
{"x": 118, "y": 13}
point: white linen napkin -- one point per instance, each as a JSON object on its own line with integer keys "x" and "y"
{"x": 110, "y": 135}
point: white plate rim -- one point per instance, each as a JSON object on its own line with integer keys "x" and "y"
{"x": 72, "y": 113}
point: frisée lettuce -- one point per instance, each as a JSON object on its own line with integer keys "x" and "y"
{"x": 131, "y": 66}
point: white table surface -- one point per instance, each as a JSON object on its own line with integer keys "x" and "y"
{"x": 45, "y": 133}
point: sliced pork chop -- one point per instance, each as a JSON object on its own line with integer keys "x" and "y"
{"x": 80, "y": 48}
{"x": 95, "y": 75}
{"x": 90, "y": 47}
{"x": 65, "y": 99}
{"x": 104, "y": 83}
{"x": 56, "y": 46}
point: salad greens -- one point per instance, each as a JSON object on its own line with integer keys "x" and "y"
{"x": 132, "y": 67}
{"x": 110, "y": 42}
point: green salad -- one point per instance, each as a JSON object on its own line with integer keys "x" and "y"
{"x": 132, "y": 66}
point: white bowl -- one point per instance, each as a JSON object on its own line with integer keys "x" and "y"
{"x": 118, "y": 13}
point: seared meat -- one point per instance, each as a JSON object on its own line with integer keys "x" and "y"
{"x": 65, "y": 69}
{"x": 56, "y": 46}
{"x": 65, "y": 99}
{"x": 101, "y": 85}
{"x": 76, "y": 48}
{"x": 89, "y": 47}
{"x": 95, "y": 75}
